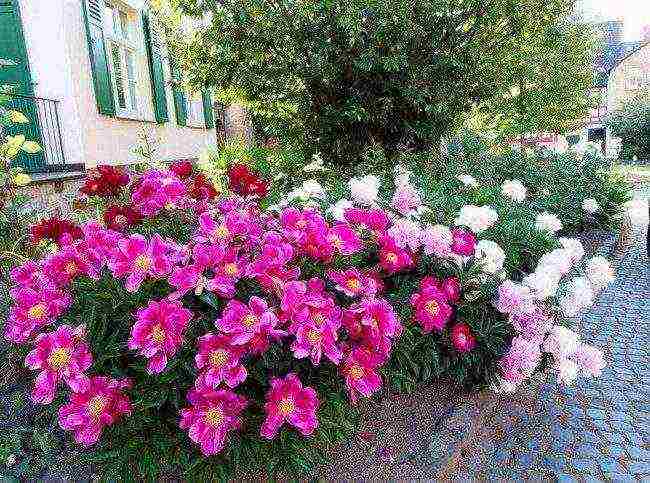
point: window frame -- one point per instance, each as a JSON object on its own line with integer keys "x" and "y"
{"x": 124, "y": 43}
{"x": 194, "y": 110}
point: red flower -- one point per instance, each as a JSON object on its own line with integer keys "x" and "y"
{"x": 121, "y": 217}
{"x": 56, "y": 230}
{"x": 105, "y": 181}
{"x": 244, "y": 182}
{"x": 202, "y": 189}
{"x": 462, "y": 337}
{"x": 182, "y": 169}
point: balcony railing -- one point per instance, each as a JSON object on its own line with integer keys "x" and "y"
{"x": 44, "y": 127}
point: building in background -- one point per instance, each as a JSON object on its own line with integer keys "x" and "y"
{"x": 94, "y": 76}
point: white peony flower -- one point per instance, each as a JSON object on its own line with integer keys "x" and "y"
{"x": 590, "y": 205}
{"x": 580, "y": 295}
{"x": 364, "y": 190}
{"x": 557, "y": 261}
{"x": 543, "y": 283}
{"x": 514, "y": 190}
{"x": 406, "y": 233}
{"x": 477, "y": 218}
{"x": 548, "y": 222}
{"x": 561, "y": 341}
{"x": 337, "y": 210}
{"x": 313, "y": 189}
{"x": 468, "y": 180}
{"x": 567, "y": 371}
{"x": 574, "y": 247}
{"x": 402, "y": 175}
{"x": 599, "y": 272}
{"x": 315, "y": 165}
{"x": 490, "y": 255}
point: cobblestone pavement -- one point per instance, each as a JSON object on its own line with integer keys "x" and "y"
{"x": 598, "y": 429}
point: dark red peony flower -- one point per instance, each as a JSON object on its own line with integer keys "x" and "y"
{"x": 244, "y": 182}
{"x": 121, "y": 217}
{"x": 56, "y": 230}
{"x": 201, "y": 189}
{"x": 182, "y": 169}
{"x": 105, "y": 181}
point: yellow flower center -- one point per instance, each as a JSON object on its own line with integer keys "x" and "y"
{"x": 222, "y": 231}
{"x": 286, "y": 406}
{"x": 391, "y": 257}
{"x": 143, "y": 262}
{"x": 38, "y": 311}
{"x": 318, "y": 318}
{"x": 356, "y": 372}
{"x": 213, "y": 417}
{"x": 301, "y": 223}
{"x": 353, "y": 284}
{"x": 96, "y": 405}
{"x": 249, "y": 321}
{"x": 230, "y": 269}
{"x": 313, "y": 336}
{"x": 121, "y": 219}
{"x": 170, "y": 206}
{"x": 219, "y": 357}
{"x": 336, "y": 241}
{"x": 158, "y": 333}
{"x": 59, "y": 358}
{"x": 432, "y": 307}
{"x": 374, "y": 322}
{"x": 71, "y": 268}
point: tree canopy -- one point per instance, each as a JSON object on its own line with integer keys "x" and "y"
{"x": 341, "y": 76}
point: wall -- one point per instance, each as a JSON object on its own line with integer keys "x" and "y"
{"x": 55, "y": 34}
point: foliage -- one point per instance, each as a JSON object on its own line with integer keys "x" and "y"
{"x": 345, "y": 76}
{"x": 452, "y": 318}
{"x": 631, "y": 123}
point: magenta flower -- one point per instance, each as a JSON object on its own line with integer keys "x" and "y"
{"x": 431, "y": 309}
{"x": 158, "y": 332}
{"x": 158, "y": 190}
{"x": 374, "y": 220}
{"x": 33, "y": 310}
{"x": 65, "y": 265}
{"x": 313, "y": 340}
{"x": 218, "y": 359}
{"x": 296, "y": 224}
{"x": 30, "y": 275}
{"x": 344, "y": 239}
{"x": 451, "y": 288}
{"x": 101, "y": 404}
{"x": 392, "y": 258}
{"x": 230, "y": 269}
{"x": 61, "y": 354}
{"x": 185, "y": 279}
{"x": 463, "y": 242}
{"x": 288, "y": 401}
{"x": 379, "y": 319}
{"x": 462, "y": 337}
{"x": 243, "y": 322}
{"x": 211, "y": 416}
{"x": 359, "y": 371}
{"x": 352, "y": 282}
{"x": 137, "y": 259}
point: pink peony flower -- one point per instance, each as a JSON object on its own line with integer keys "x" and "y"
{"x": 463, "y": 242}
{"x": 589, "y": 359}
{"x": 405, "y": 199}
{"x": 521, "y": 360}
{"x": 158, "y": 332}
{"x": 211, "y": 416}
{"x": 344, "y": 239}
{"x": 218, "y": 359}
{"x": 462, "y": 337}
{"x": 288, "y": 401}
{"x": 451, "y": 288}
{"x": 431, "y": 308}
{"x": 30, "y": 275}
{"x": 243, "y": 322}
{"x": 158, "y": 190}
{"x": 393, "y": 258}
{"x": 312, "y": 340}
{"x": 64, "y": 266}
{"x": 437, "y": 240}
{"x": 137, "y": 259}
{"x": 514, "y": 298}
{"x": 101, "y": 404}
{"x": 352, "y": 282}
{"x": 359, "y": 371}
{"x": 33, "y": 310}
{"x": 377, "y": 321}
{"x": 230, "y": 269}
{"x": 61, "y": 354}
{"x": 374, "y": 220}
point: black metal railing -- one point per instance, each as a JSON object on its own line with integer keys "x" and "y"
{"x": 44, "y": 127}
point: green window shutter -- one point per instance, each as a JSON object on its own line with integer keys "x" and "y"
{"x": 152, "y": 39}
{"x": 93, "y": 14}
{"x": 207, "y": 109}
{"x": 180, "y": 101}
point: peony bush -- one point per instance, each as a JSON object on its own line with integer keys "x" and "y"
{"x": 184, "y": 329}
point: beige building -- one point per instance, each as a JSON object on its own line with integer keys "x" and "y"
{"x": 629, "y": 78}
{"x": 94, "y": 76}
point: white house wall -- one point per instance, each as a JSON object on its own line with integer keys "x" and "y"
{"x": 55, "y": 35}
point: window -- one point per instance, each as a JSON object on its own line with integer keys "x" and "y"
{"x": 120, "y": 46}
{"x": 195, "y": 110}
